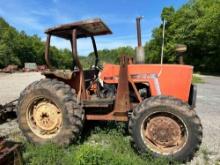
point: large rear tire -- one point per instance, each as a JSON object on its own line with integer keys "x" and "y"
{"x": 165, "y": 127}
{"x": 47, "y": 111}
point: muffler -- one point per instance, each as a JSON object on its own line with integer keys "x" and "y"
{"x": 140, "y": 56}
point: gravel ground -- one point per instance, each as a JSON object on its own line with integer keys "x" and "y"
{"x": 12, "y": 84}
{"x": 208, "y": 100}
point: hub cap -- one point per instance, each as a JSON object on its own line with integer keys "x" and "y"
{"x": 164, "y": 133}
{"x": 44, "y": 118}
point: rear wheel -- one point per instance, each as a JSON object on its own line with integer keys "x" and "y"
{"x": 166, "y": 127}
{"x": 47, "y": 111}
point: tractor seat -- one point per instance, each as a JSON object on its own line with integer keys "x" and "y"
{"x": 63, "y": 74}
{"x": 90, "y": 74}
{"x": 67, "y": 74}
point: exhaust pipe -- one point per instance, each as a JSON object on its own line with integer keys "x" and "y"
{"x": 140, "y": 57}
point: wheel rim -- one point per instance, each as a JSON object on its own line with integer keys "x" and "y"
{"x": 44, "y": 118}
{"x": 164, "y": 133}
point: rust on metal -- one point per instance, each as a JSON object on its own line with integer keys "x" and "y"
{"x": 164, "y": 134}
{"x": 10, "y": 153}
{"x": 10, "y": 69}
{"x": 86, "y": 28}
{"x": 8, "y": 111}
{"x": 74, "y": 48}
{"x": 82, "y": 89}
{"x": 110, "y": 117}
{"x": 122, "y": 101}
{"x": 135, "y": 89}
{"x": 47, "y": 49}
{"x": 122, "y": 75}
{"x": 63, "y": 74}
{"x": 181, "y": 49}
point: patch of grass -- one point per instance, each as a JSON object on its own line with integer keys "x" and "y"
{"x": 205, "y": 155}
{"x": 46, "y": 154}
{"x": 197, "y": 79}
{"x": 217, "y": 162}
{"x": 106, "y": 144}
{"x": 206, "y": 158}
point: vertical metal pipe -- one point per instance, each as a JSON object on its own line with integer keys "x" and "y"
{"x": 74, "y": 43}
{"x": 47, "y": 49}
{"x": 74, "y": 49}
{"x": 181, "y": 49}
{"x": 140, "y": 57}
{"x": 138, "y": 24}
{"x": 82, "y": 89}
{"x": 163, "y": 38}
{"x": 181, "y": 59}
{"x": 95, "y": 51}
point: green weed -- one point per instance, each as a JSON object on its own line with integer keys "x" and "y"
{"x": 197, "y": 79}
{"x": 101, "y": 144}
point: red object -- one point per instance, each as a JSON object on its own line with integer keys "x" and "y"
{"x": 174, "y": 80}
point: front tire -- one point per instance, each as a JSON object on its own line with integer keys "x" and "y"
{"x": 166, "y": 127}
{"x": 47, "y": 111}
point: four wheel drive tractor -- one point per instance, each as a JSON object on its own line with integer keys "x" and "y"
{"x": 156, "y": 100}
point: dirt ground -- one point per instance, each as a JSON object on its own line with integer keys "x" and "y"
{"x": 208, "y": 101}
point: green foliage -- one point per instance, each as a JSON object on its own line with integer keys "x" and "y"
{"x": 195, "y": 24}
{"x": 197, "y": 79}
{"x": 167, "y": 13}
{"x": 47, "y": 154}
{"x": 7, "y": 47}
{"x": 105, "y": 144}
{"x": 110, "y": 56}
{"x": 18, "y": 48}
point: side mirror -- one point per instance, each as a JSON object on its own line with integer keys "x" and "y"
{"x": 181, "y": 49}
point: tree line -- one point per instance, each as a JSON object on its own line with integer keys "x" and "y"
{"x": 195, "y": 24}
{"x": 18, "y": 47}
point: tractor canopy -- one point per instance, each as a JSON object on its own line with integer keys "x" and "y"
{"x": 85, "y": 28}
{"x": 74, "y": 31}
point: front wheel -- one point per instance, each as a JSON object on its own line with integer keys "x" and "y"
{"x": 166, "y": 127}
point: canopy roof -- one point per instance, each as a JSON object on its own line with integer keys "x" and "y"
{"x": 85, "y": 28}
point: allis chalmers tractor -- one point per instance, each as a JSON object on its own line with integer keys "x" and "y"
{"x": 157, "y": 100}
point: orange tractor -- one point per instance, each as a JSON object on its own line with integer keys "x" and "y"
{"x": 157, "y": 100}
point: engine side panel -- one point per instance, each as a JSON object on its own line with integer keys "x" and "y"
{"x": 168, "y": 79}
